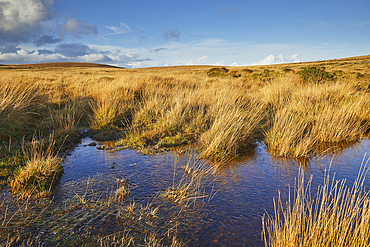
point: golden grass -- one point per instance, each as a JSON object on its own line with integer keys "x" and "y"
{"x": 337, "y": 215}
{"x": 222, "y": 114}
{"x": 233, "y": 129}
{"x": 158, "y": 108}
{"x": 313, "y": 116}
{"x": 42, "y": 169}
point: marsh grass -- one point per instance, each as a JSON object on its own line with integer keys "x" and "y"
{"x": 234, "y": 127}
{"x": 15, "y": 99}
{"x": 334, "y": 215}
{"x": 313, "y": 116}
{"x": 191, "y": 187}
{"x": 105, "y": 110}
{"x": 156, "y": 109}
{"x": 41, "y": 170}
{"x": 88, "y": 216}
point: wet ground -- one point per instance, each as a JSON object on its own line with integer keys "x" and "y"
{"x": 245, "y": 189}
{"x": 238, "y": 194}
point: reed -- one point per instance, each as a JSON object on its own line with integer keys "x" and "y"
{"x": 336, "y": 215}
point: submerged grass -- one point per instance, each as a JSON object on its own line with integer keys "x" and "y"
{"x": 90, "y": 216}
{"x": 190, "y": 187}
{"x": 336, "y": 215}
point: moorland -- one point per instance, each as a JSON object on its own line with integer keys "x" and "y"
{"x": 297, "y": 110}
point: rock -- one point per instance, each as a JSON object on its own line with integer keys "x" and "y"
{"x": 102, "y": 147}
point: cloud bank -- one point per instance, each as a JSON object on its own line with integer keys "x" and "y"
{"x": 72, "y": 52}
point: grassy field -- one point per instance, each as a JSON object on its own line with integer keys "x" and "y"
{"x": 297, "y": 110}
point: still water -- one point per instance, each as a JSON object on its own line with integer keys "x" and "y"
{"x": 245, "y": 189}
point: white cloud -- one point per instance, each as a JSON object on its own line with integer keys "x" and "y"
{"x": 234, "y": 64}
{"x": 123, "y": 28}
{"x": 94, "y": 58}
{"x": 20, "y": 19}
{"x": 271, "y": 59}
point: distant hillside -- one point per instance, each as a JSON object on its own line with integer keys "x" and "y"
{"x": 61, "y": 65}
{"x": 95, "y": 65}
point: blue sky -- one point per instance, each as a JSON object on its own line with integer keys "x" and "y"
{"x": 160, "y": 33}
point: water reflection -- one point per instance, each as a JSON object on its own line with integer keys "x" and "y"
{"x": 246, "y": 187}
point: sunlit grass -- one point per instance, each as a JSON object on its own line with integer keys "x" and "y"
{"x": 334, "y": 215}
{"x": 41, "y": 170}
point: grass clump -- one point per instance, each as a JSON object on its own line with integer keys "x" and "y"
{"x": 313, "y": 120}
{"x": 336, "y": 215}
{"x": 41, "y": 170}
{"x": 233, "y": 129}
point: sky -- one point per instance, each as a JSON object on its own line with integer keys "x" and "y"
{"x": 141, "y": 33}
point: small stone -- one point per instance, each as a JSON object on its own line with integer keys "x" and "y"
{"x": 92, "y": 144}
{"x": 100, "y": 147}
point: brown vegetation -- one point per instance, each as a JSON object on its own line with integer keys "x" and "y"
{"x": 336, "y": 216}
{"x": 224, "y": 112}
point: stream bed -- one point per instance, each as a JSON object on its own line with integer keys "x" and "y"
{"x": 239, "y": 193}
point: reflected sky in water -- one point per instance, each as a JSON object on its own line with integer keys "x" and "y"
{"x": 246, "y": 188}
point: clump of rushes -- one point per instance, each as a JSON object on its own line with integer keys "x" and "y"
{"x": 106, "y": 106}
{"x": 299, "y": 130}
{"x": 290, "y": 134}
{"x": 234, "y": 128}
{"x": 217, "y": 71}
{"x": 336, "y": 216}
{"x": 104, "y": 112}
{"x": 167, "y": 121}
{"x": 41, "y": 171}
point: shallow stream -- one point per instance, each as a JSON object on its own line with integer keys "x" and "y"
{"x": 245, "y": 189}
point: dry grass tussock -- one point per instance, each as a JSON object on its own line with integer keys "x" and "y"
{"x": 314, "y": 116}
{"x": 337, "y": 215}
{"x": 222, "y": 113}
{"x": 42, "y": 169}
